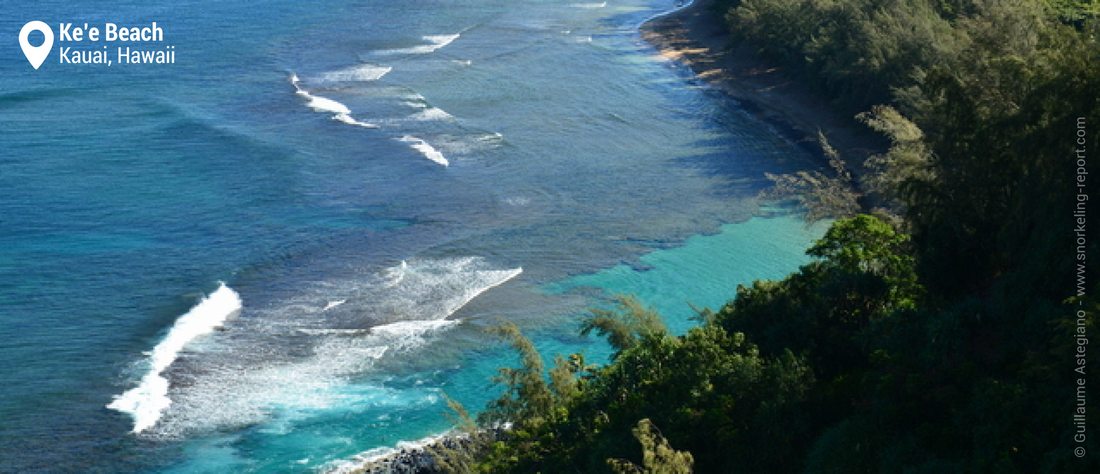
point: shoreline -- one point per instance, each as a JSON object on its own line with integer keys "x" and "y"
{"x": 404, "y": 457}
{"x": 691, "y": 35}
{"x": 407, "y": 457}
{"x": 696, "y": 37}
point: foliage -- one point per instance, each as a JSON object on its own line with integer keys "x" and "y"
{"x": 626, "y": 327}
{"x": 908, "y": 157}
{"x": 657, "y": 456}
{"x": 856, "y": 50}
{"x": 821, "y": 195}
{"x": 942, "y": 343}
{"x": 528, "y": 396}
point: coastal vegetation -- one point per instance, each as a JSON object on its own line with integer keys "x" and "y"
{"x": 938, "y": 332}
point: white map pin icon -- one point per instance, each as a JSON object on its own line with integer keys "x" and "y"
{"x": 36, "y": 54}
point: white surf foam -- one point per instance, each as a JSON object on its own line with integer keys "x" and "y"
{"x": 425, "y": 149}
{"x": 435, "y": 42}
{"x": 336, "y": 331}
{"x": 320, "y": 104}
{"x": 231, "y": 394}
{"x": 589, "y": 5}
{"x": 492, "y": 137}
{"x": 436, "y": 289}
{"x": 241, "y": 381}
{"x": 467, "y": 144}
{"x": 412, "y": 327}
{"x": 348, "y": 119}
{"x": 518, "y": 201}
{"x": 395, "y": 275}
{"x": 432, "y": 113}
{"x": 146, "y": 402}
{"x": 402, "y": 334}
{"x": 439, "y": 41}
{"x": 362, "y": 460}
{"x": 340, "y": 111}
{"x": 333, "y": 304}
{"x": 324, "y": 104}
{"x": 360, "y": 73}
{"x": 406, "y": 335}
{"x": 678, "y": 7}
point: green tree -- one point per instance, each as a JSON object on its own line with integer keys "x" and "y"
{"x": 626, "y": 325}
{"x": 658, "y": 457}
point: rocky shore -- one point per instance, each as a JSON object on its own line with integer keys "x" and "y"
{"x": 408, "y": 457}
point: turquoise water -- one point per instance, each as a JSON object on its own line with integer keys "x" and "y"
{"x": 704, "y": 271}
{"x": 290, "y": 169}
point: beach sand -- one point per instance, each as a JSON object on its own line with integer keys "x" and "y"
{"x": 697, "y": 37}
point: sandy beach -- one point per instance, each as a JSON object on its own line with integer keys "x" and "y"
{"x": 697, "y": 37}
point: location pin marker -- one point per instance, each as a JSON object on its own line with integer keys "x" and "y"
{"x": 36, "y": 55}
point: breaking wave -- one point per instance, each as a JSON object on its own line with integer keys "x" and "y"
{"x": 432, "y": 113}
{"x": 435, "y": 42}
{"x": 341, "y": 112}
{"x": 360, "y": 73}
{"x": 292, "y": 357}
{"x": 589, "y": 5}
{"x": 425, "y": 149}
{"x": 146, "y": 402}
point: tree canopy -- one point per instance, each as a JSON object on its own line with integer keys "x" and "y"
{"x": 943, "y": 341}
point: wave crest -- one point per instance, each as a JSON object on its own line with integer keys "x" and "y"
{"x": 435, "y": 42}
{"x": 360, "y": 73}
{"x": 147, "y": 402}
{"x": 293, "y": 358}
{"x": 432, "y": 113}
{"x": 425, "y": 149}
{"x": 341, "y": 112}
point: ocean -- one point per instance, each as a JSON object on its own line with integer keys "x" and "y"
{"x": 281, "y": 252}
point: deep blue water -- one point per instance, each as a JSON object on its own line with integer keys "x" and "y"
{"x": 366, "y": 270}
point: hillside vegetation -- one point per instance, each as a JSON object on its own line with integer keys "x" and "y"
{"x": 937, "y": 335}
